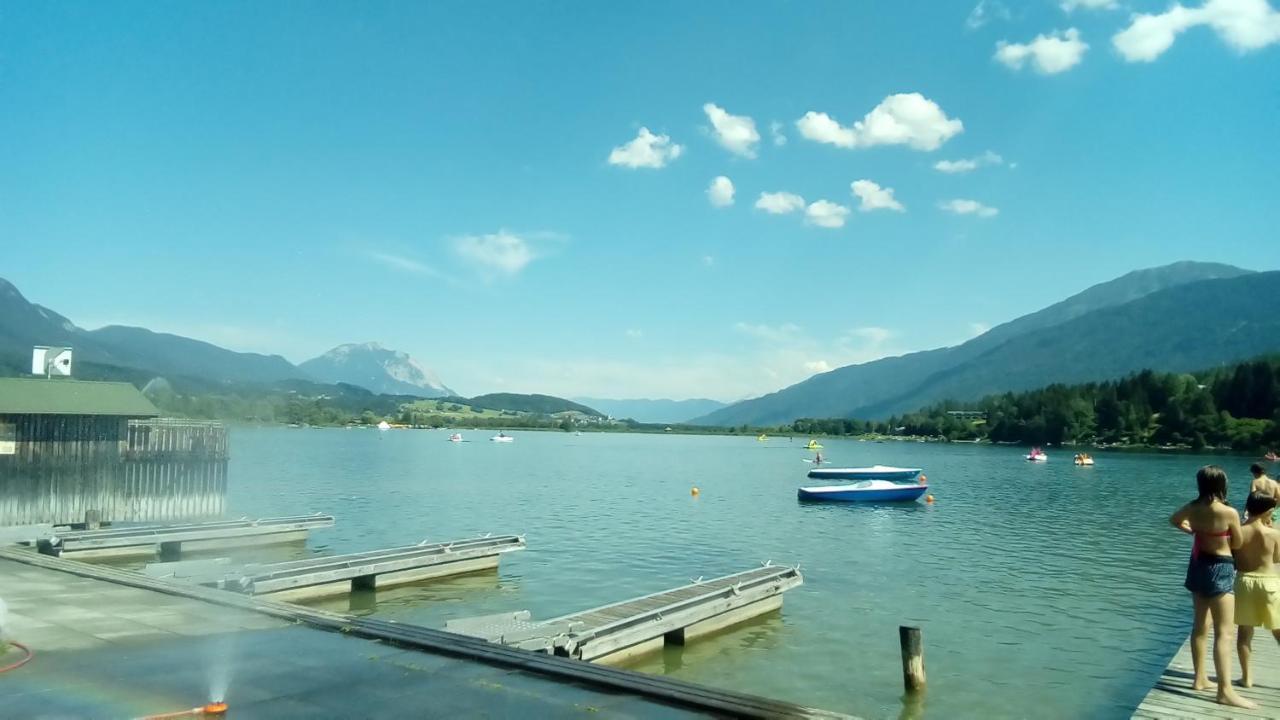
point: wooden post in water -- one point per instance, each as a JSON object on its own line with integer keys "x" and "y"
{"x": 912, "y": 658}
{"x": 92, "y": 519}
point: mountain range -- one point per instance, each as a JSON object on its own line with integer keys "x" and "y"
{"x": 654, "y": 411}
{"x": 1179, "y": 317}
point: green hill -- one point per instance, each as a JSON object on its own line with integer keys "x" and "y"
{"x": 877, "y": 388}
{"x": 533, "y": 404}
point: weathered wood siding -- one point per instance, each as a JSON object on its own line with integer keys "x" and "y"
{"x": 128, "y": 470}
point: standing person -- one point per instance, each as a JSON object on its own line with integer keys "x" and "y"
{"x": 1257, "y": 587}
{"x": 1262, "y": 483}
{"x": 1215, "y": 529}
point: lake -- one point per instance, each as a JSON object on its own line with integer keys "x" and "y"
{"x": 1044, "y": 590}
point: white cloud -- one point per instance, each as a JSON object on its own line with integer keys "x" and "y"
{"x": 984, "y": 11}
{"x": 502, "y": 253}
{"x": 635, "y": 334}
{"x": 872, "y": 335}
{"x": 735, "y": 133}
{"x": 904, "y": 119}
{"x": 404, "y": 264}
{"x": 826, "y": 214}
{"x": 720, "y": 192}
{"x": 817, "y": 366}
{"x": 968, "y": 164}
{"x": 770, "y": 333}
{"x": 1070, "y": 5}
{"x": 775, "y": 130}
{"x": 646, "y": 151}
{"x": 1050, "y": 54}
{"x": 1244, "y": 25}
{"x": 779, "y": 203}
{"x": 968, "y": 207}
{"x": 874, "y": 197}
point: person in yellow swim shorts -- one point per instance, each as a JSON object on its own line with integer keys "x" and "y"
{"x": 1257, "y": 587}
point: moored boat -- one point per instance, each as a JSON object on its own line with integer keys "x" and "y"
{"x": 875, "y": 472}
{"x": 456, "y": 437}
{"x": 864, "y": 491}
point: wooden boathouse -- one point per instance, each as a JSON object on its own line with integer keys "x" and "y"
{"x": 72, "y": 450}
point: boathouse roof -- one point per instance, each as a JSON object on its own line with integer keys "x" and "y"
{"x": 53, "y": 396}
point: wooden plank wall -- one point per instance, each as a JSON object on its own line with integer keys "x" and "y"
{"x": 128, "y": 470}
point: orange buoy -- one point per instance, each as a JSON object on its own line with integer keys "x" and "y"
{"x": 924, "y": 479}
{"x": 928, "y": 499}
{"x": 694, "y": 492}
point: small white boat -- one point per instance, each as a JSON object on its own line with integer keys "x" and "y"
{"x": 875, "y": 472}
{"x": 456, "y": 437}
{"x": 502, "y": 437}
{"x": 1083, "y": 460}
{"x": 1037, "y": 455}
{"x": 384, "y": 425}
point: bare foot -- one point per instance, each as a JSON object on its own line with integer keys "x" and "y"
{"x": 1246, "y": 682}
{"x": 1200, "y": 684}
{"x": 1227, "y": 697}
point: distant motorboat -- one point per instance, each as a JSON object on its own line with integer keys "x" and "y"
{"x": 456, "y": 437}
{"x": 384, "y": 425}
{"x": 864, "y": 491}
{"x": 502, "y": 437}
{"x": 1037, "y": 455}
{"x": 875, "y": 472}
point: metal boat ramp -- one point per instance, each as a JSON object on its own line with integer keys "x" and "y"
{"x": 337, "y": 574}
{"x": 615, "y": 633}
{"x": 169, "y": 541}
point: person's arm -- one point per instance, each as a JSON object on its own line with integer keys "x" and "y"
{"x": 1233, "y": 526}
{"x": 1275, "y": 555}
{"x": 1180, "y": 519}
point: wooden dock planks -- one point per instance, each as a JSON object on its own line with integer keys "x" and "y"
{"x": 1173, "y": 698}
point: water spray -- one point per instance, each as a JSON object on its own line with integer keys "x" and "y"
{"x": 212, "y": 710}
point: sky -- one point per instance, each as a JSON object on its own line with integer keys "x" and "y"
{"x": 658, "y": 199}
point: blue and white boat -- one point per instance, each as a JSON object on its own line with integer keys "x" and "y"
{"x": 864, "y": 491}
{"x": 875, "y": 472}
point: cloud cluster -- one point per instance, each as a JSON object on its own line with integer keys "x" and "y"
{"x": 826, "y": 214}
{"x": 965, "y": 165}
{"x": 735, "y": 133}
{"x": 1049, "y": 54}
{"x": 960, "y": 206}
{"x": 646, "y": 151}
{"x": 1071, "y": 5}
{"x": 984, "y": 12}
{"x": 720, "y": 192}
{"x": 908, "y": 119}
{"x": 874, "y": 197}
{"x": 1244, "y": 25}
{"x": 779, "y": 203}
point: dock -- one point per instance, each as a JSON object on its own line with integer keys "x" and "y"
{"x": 168, "y": 542}
{"x": 615, "y": 633}
{"x": 114, "y": 643}
{"x": 338, "y": 574}
{"x": 1173, "y": 699}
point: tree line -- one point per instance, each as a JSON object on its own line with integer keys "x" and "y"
{"x": 1231, "y": 407}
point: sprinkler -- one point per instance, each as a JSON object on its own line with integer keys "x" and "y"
{"x": 211, "y": 710}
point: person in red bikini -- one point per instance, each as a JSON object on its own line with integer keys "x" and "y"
{"x": 1211, "y": 574}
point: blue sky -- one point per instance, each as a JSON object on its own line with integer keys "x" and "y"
{"x": 523, "y": 195}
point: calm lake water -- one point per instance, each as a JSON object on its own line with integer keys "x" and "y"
{"x": 1044, "y": 591}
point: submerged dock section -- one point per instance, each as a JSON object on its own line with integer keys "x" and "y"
{"x": 337, "y": 574}
{"x": 168, "y": 542}
{"x": 617, "y": 632}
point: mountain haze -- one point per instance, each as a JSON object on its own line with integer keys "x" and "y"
{"x": 654, "y": 411}
{"x": 871, "y": 389}
{"x": 377, "y": 369}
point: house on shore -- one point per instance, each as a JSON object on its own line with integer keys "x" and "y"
{"x": 71, "y": 447}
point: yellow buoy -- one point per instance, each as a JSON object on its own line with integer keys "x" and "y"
{"x": 928, "y": 499}
{"x": 694, "y": 492}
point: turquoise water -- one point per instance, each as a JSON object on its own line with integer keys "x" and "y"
{"x": 1044, "y": 591}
